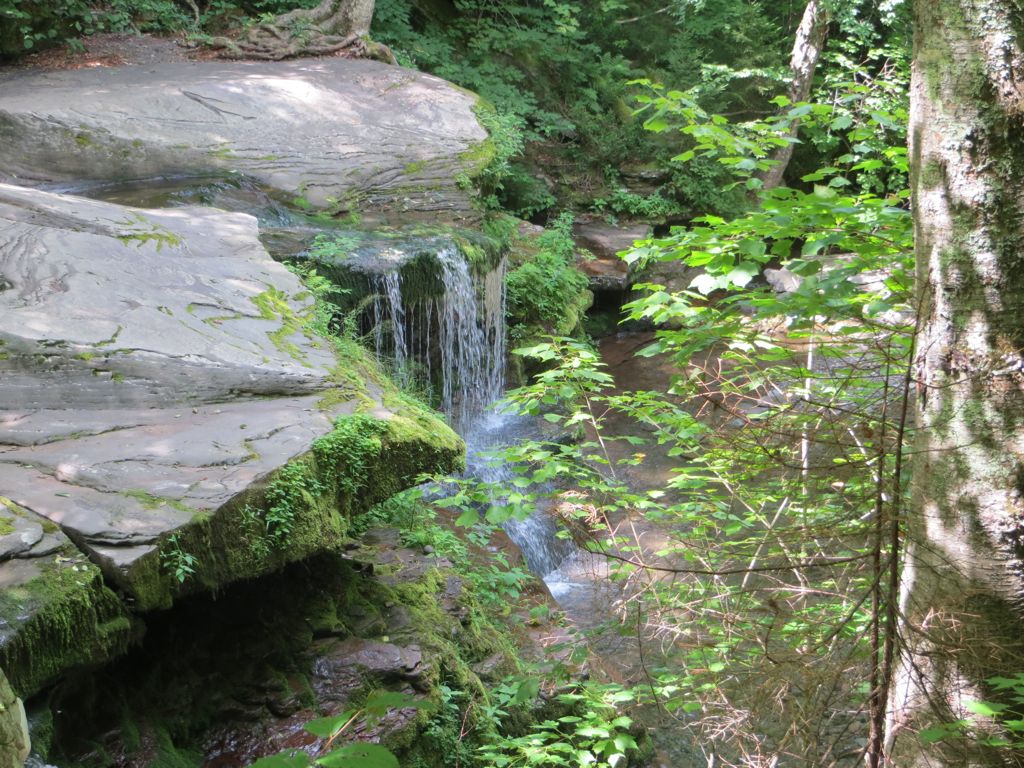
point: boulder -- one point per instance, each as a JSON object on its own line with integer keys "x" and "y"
{"x": 339, "y": 134}
{"x": 105, "y": 306}
{"x": 606, "y": 271}
{"x": 160, "y": 394}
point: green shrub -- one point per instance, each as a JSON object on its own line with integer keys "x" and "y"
{"x": 547, "y": 290}
{"x": 29, "y": 24}
{"x": 622, "y": 202}
{"x": 143, "y": 16}
{"x": 523, "y": 194}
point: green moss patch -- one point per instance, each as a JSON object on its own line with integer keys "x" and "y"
{"x": 57, "y": 614}
{"x": 303, "y": 508}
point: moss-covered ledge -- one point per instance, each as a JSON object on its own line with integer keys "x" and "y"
{"x": 55, "y": 613}
{"x": 301, "y": 509}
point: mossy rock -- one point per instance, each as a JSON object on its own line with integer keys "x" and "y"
{"x": 57, "y": 614}
{"x": 303, "y": 508}
{"x": 353, "y": 260}
{"x": 14, "y": 741}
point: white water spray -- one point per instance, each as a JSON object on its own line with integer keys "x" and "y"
{"x": 464, "y": 328}
{"x": 461, "y": 334}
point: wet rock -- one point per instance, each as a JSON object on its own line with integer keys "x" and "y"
{"x": 14, "y": 741}
{"x": 337, "y": 133}
{"x": 233, "y": 747}
{"x": 288, "y": 700}
{"x": 606, "y": 271}
{"x": 343, "y": 667}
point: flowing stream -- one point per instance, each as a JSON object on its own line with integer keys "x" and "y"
{"x": 462, "y": 333}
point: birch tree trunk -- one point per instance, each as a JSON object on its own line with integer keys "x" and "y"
{"x": 962, "y": 591}
{"x": 808, "y": 45}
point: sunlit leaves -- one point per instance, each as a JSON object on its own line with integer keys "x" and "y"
{"x": 352, "y": 755}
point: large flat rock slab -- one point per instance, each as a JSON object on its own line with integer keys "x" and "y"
{"x": 169, "y": 423}
{"x": 136, "y": 490}
{"x": 337, "y": 133}
{"x": 118, "y": 486}
{"x": 106, "y": 306}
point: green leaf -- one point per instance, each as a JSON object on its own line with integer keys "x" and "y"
{"x": 936, "y": 734}
{"x": 297, "y": 760}
{"x": 527, "y": 691}
{"x": 380, "y": 703}
{"x": 743, "y": 273}
{"x": 704, "y": 283}
{"x": 985, "y": 708}
{"x": 327, "y": 727}
{"x": 359, "y": 756}
{"x": 841, "y": 123}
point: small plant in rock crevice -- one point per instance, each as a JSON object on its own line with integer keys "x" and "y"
{"x": 176, "y": 561}
{"x": 296, "y": 488}
{"x": 339, "y": 464}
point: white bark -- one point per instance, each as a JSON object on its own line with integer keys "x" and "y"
{"x": 962, "y": 590}
{"x": 808, "y": 45}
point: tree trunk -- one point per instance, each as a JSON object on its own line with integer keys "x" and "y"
{"x": 339, "y": 17}
{"x": 331, "y": 28}
{"x": 807, "y": 48}
{"x": 962, "y": 592}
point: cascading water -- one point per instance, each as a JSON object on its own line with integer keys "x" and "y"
{"x": 472, "y": 340}
{"x": 537, "y": 535}
{"x": 458, "y": 338}
{"x": 388, "y": 300}
{"x": 459, "y": 335}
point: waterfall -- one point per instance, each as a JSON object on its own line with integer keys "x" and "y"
{"x": 387, "y": 299}
{"x": 463, "y": 328}
{"x": 454, "y": 342}
{"x": 472, "y": 338}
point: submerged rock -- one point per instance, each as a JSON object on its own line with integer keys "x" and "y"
{"x": 336, "y": 133}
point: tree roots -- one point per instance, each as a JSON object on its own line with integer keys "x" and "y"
{"x": 332, "y": 28}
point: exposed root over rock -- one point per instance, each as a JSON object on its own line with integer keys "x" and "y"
{"x": 332, "y": 28}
